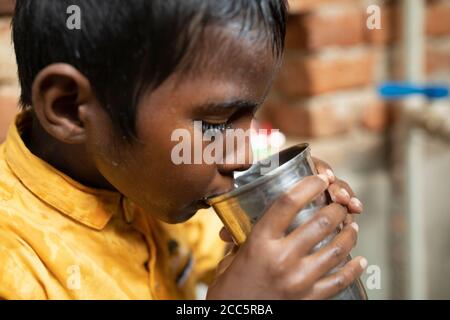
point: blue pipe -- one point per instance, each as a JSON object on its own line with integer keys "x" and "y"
{"x": 399, "y": 90}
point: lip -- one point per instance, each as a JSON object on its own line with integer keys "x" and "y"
{"x": 216, "y": 194}
{"x": 189, "y": 211}
{"x": 201, "y": 204}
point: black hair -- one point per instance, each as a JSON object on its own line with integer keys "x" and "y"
{"x": 126, "y": 47}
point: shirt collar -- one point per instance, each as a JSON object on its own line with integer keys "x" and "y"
{"x": 91, "y": 207}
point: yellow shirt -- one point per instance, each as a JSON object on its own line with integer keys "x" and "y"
{"x": 62, "y": 240}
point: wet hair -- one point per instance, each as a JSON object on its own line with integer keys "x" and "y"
{"x": 126, "y": 48}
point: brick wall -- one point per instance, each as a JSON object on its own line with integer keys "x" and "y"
{"x": 438, "y": 42}
{"x": 333, "y": 63}
{"x": 9, "y": 90}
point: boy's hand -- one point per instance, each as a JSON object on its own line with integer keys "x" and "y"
{"x": 339, "y": 190}
{"x": 272, "y": 265}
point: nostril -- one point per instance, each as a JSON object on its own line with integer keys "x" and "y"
{"x": 230, "y": 170}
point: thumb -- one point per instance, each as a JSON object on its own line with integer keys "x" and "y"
{"x": 226, "y": 261}
{"x": 231, "y": 251}
{"x": 225, "y": 235}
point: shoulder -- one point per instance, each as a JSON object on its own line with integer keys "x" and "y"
{"x": 18, "y": 261}
{"x": 8, "y": 181}
{"x": 18, "y": 264}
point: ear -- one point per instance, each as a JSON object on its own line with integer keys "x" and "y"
{"x": 60, "y": 96}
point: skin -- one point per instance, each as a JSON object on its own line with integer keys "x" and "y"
{"x": 72, "y": 132}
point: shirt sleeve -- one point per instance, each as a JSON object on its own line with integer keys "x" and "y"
{"x": 208, "y": 248}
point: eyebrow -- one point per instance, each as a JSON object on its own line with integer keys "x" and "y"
{"x": 238, "y": 104}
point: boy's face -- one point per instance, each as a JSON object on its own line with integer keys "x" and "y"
{"x": 145, "y": 171}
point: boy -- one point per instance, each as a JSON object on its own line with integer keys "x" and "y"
{"x": 92, "y": 205}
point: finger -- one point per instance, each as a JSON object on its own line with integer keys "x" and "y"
{"x": 225, "y": 262}
{"x": 324, "y": 222}
{"x": 333, "y": 254}
{"x": 323, "y": 168}
{"x": 280, "y": 214}
{"x": 348, "y": 219}
{"x": 339, "y": 194}
{"x": 331, "y": 285}
{"x": 339, "y": 189}
{"x": 225, "y": 235}
{"x": 344, "y": 185}
{"x": 355, "y": 206}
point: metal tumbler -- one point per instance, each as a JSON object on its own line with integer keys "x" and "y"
{"x": 257, "y": 188}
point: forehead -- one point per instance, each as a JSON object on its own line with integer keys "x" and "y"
{"x": 227, "y": 66}
{"x": 225, "y": 52}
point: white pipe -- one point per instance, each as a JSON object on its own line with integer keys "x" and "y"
{"x": 414, "y": 39}
{"x": 414, "y": 54}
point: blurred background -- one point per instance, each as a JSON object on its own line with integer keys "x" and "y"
{"x": 394, "y": 153}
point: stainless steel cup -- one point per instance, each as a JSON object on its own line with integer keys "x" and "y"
{"x": 257, "y": 188}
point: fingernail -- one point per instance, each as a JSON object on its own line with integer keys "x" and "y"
{"x": 344, "y": 193}
{"x": 330, "y": 174}
{"x": 323, "y": 177}
{"x": 333, "y": 197}
{"x": 363, "y": 263}
{"x": 356, "y": 203}
{"x": 355, "y": 226}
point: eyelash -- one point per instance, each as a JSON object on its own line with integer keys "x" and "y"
{"x": 222, "y": 127}
{"x": 215, "y": 127}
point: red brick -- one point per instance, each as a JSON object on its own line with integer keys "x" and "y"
{"x": 375, "y": 116}
{"x": 297, "y": 6}
{"x": 312, "y": 75}
{"x": 302, "y": 120}
{"x": 296, "y": 36}
{"x": 314, "y": 31}
{"x": 438, "y": 59}
{"x": 438, "y": 19}
{"x": 327, "y": 115}
{"x": 9, "y": 98}
{"x": 7, "y": 7}
{"x": 8, "y": 69}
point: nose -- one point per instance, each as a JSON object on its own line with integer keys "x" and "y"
{"x": 238, "y": 159}
{"x": 229, "y": 169}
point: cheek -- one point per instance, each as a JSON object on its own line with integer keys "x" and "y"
{"x": 147, "y": 175}
{"x": 144, "y": 171}
{"x": 178, "y": 183}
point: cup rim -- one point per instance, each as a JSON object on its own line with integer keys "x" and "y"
{"x": 274, "y": 173}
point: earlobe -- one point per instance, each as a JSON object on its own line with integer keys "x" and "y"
{"x": 59, "y": 92}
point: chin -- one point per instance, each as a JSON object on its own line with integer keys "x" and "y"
{"x": 185, "y": 213}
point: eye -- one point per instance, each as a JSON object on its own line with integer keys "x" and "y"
{"x": 215, "y": 127}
